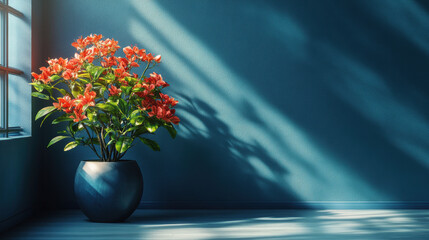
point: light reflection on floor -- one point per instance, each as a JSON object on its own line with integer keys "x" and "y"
{"x": 233, "y": 224}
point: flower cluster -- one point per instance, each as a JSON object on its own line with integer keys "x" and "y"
{"x": 92, "y": 48}
{"x": 75, "y": 107}
{"x": 107, "y": 95}
{"x": 93, "y": 45}
{"x": 162, "y": 109}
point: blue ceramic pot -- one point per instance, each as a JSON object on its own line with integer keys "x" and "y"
{"x": 108, "y": 191}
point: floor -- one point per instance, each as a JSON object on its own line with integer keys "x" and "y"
{"x": 232, "y": 224}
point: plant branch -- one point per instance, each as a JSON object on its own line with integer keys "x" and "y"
{"x": 103, "y": 144}
{"x": 101, "y": 147}
{"x": 147, "y": 66}
{"x": 91, "y": 144}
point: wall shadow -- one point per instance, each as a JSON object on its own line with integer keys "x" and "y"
{"x": 213, "y": 165}
{"x": 281, "y": 101}
{"x": 327, "y": 61}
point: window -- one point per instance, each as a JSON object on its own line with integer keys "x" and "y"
{"x": 15, "y": 67}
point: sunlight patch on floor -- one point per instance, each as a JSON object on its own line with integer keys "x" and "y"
{"x": 233, "y": 224}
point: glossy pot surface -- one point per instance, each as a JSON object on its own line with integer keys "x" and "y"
{"x": 108, "y": 191}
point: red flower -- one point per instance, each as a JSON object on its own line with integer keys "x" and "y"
{"x": 94, "y": 38}
{"x": 128, "y": 51}
{"x": 134, "y": 64}
{"x": 57, "y": 65}
{"x": 88, "y": 97}
{"x": 175, "y": 120}
{"x": 148, "y": 57}
{"x": 108, "y": 62}
{"x": 78, "y": 114}
{"x": 89, "y": 54}
{"x": 162, "y": 109}
{"x": 66, "y": 104}
{"x": 80, "y": 43}
{"x": 44, "y": 76}
{"x": 121, "y": 73}
{"x": 114, "y": 91}
{"x": 122, "y": 62}
{"x": 69, "y": 75}
{"x": 157, "y": 80}
{"x": 168, "y": 100}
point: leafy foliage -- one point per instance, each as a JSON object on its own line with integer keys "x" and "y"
{"x": 104, "y": 104}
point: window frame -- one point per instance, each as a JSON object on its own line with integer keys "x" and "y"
{"x": 5, "y": 70}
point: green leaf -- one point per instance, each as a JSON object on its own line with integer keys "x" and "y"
{"x": 113, "y": 101}
{"x": 44, "y": 111}
{"x": 71, "y": 145}
{"x": 40, "y": 95}
{"x": 62, "y": 91}
{"x": 80, "y": 126}
{"x": 70, "y": 129}
{"x": 116, "y": 122}
{"x": 107, "y": 107}
{"x": 38, "y": 86}
{"x": 110, "y": 142}
{"x": 74, "y": 127}
{"x": 136, "y": 121}
{"x": 151, "y": 126}
{"x": 56, "y": 139}
{"x": 49, "y": 114}
{"x": 171, "y": 130}
{"x": 110, "y": 76}
{"x": 126, "y": 90}
{"x": 123, "y": 106}
{"x": 138, "y": 90}
{"x": 55, "y": 77}
{"x": 89, "y": 67}
{"x": 131, "y": 129}
{"x": 135, "y": 113}
{"x": 97, "y": 84}
{"x": 84, "y": 81}
{"x": 101, "y": 91}
{"x": 123, "y": 144}
{"x": 141, "y": 130}
{"x": 103, "y": 117}
{"x": 92, "y": 116}
{"x": 152, "y": 144}
{"x": 63, "y": 118}
{"x": 83, "y": 75}
{"x": 98, "y": 73}
{"x": 76, "y": 89}
{"x": 92, "y": 141}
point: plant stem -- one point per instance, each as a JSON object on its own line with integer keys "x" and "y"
{"x": 111, "y": 151}
{"x": 101, "y": 147}
{"x": 103, "y": 144}
{"x": 147, "y": 66}
{"x": 92, "y": 145}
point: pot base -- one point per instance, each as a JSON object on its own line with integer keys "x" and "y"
{"x": 108, "y": 191}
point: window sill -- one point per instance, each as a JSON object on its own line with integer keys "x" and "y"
{"x": 15, "y": 137}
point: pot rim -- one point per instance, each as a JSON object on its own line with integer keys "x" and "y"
{"x": 126, "y": 160}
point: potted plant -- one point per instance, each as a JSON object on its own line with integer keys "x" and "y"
{"x": 106, "y": 102}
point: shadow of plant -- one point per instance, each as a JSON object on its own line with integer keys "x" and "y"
{"x": 214, "y": 168}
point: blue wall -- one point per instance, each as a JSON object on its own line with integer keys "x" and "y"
{"x": 19, "y": 173}
{"x": 282, "y": 102}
